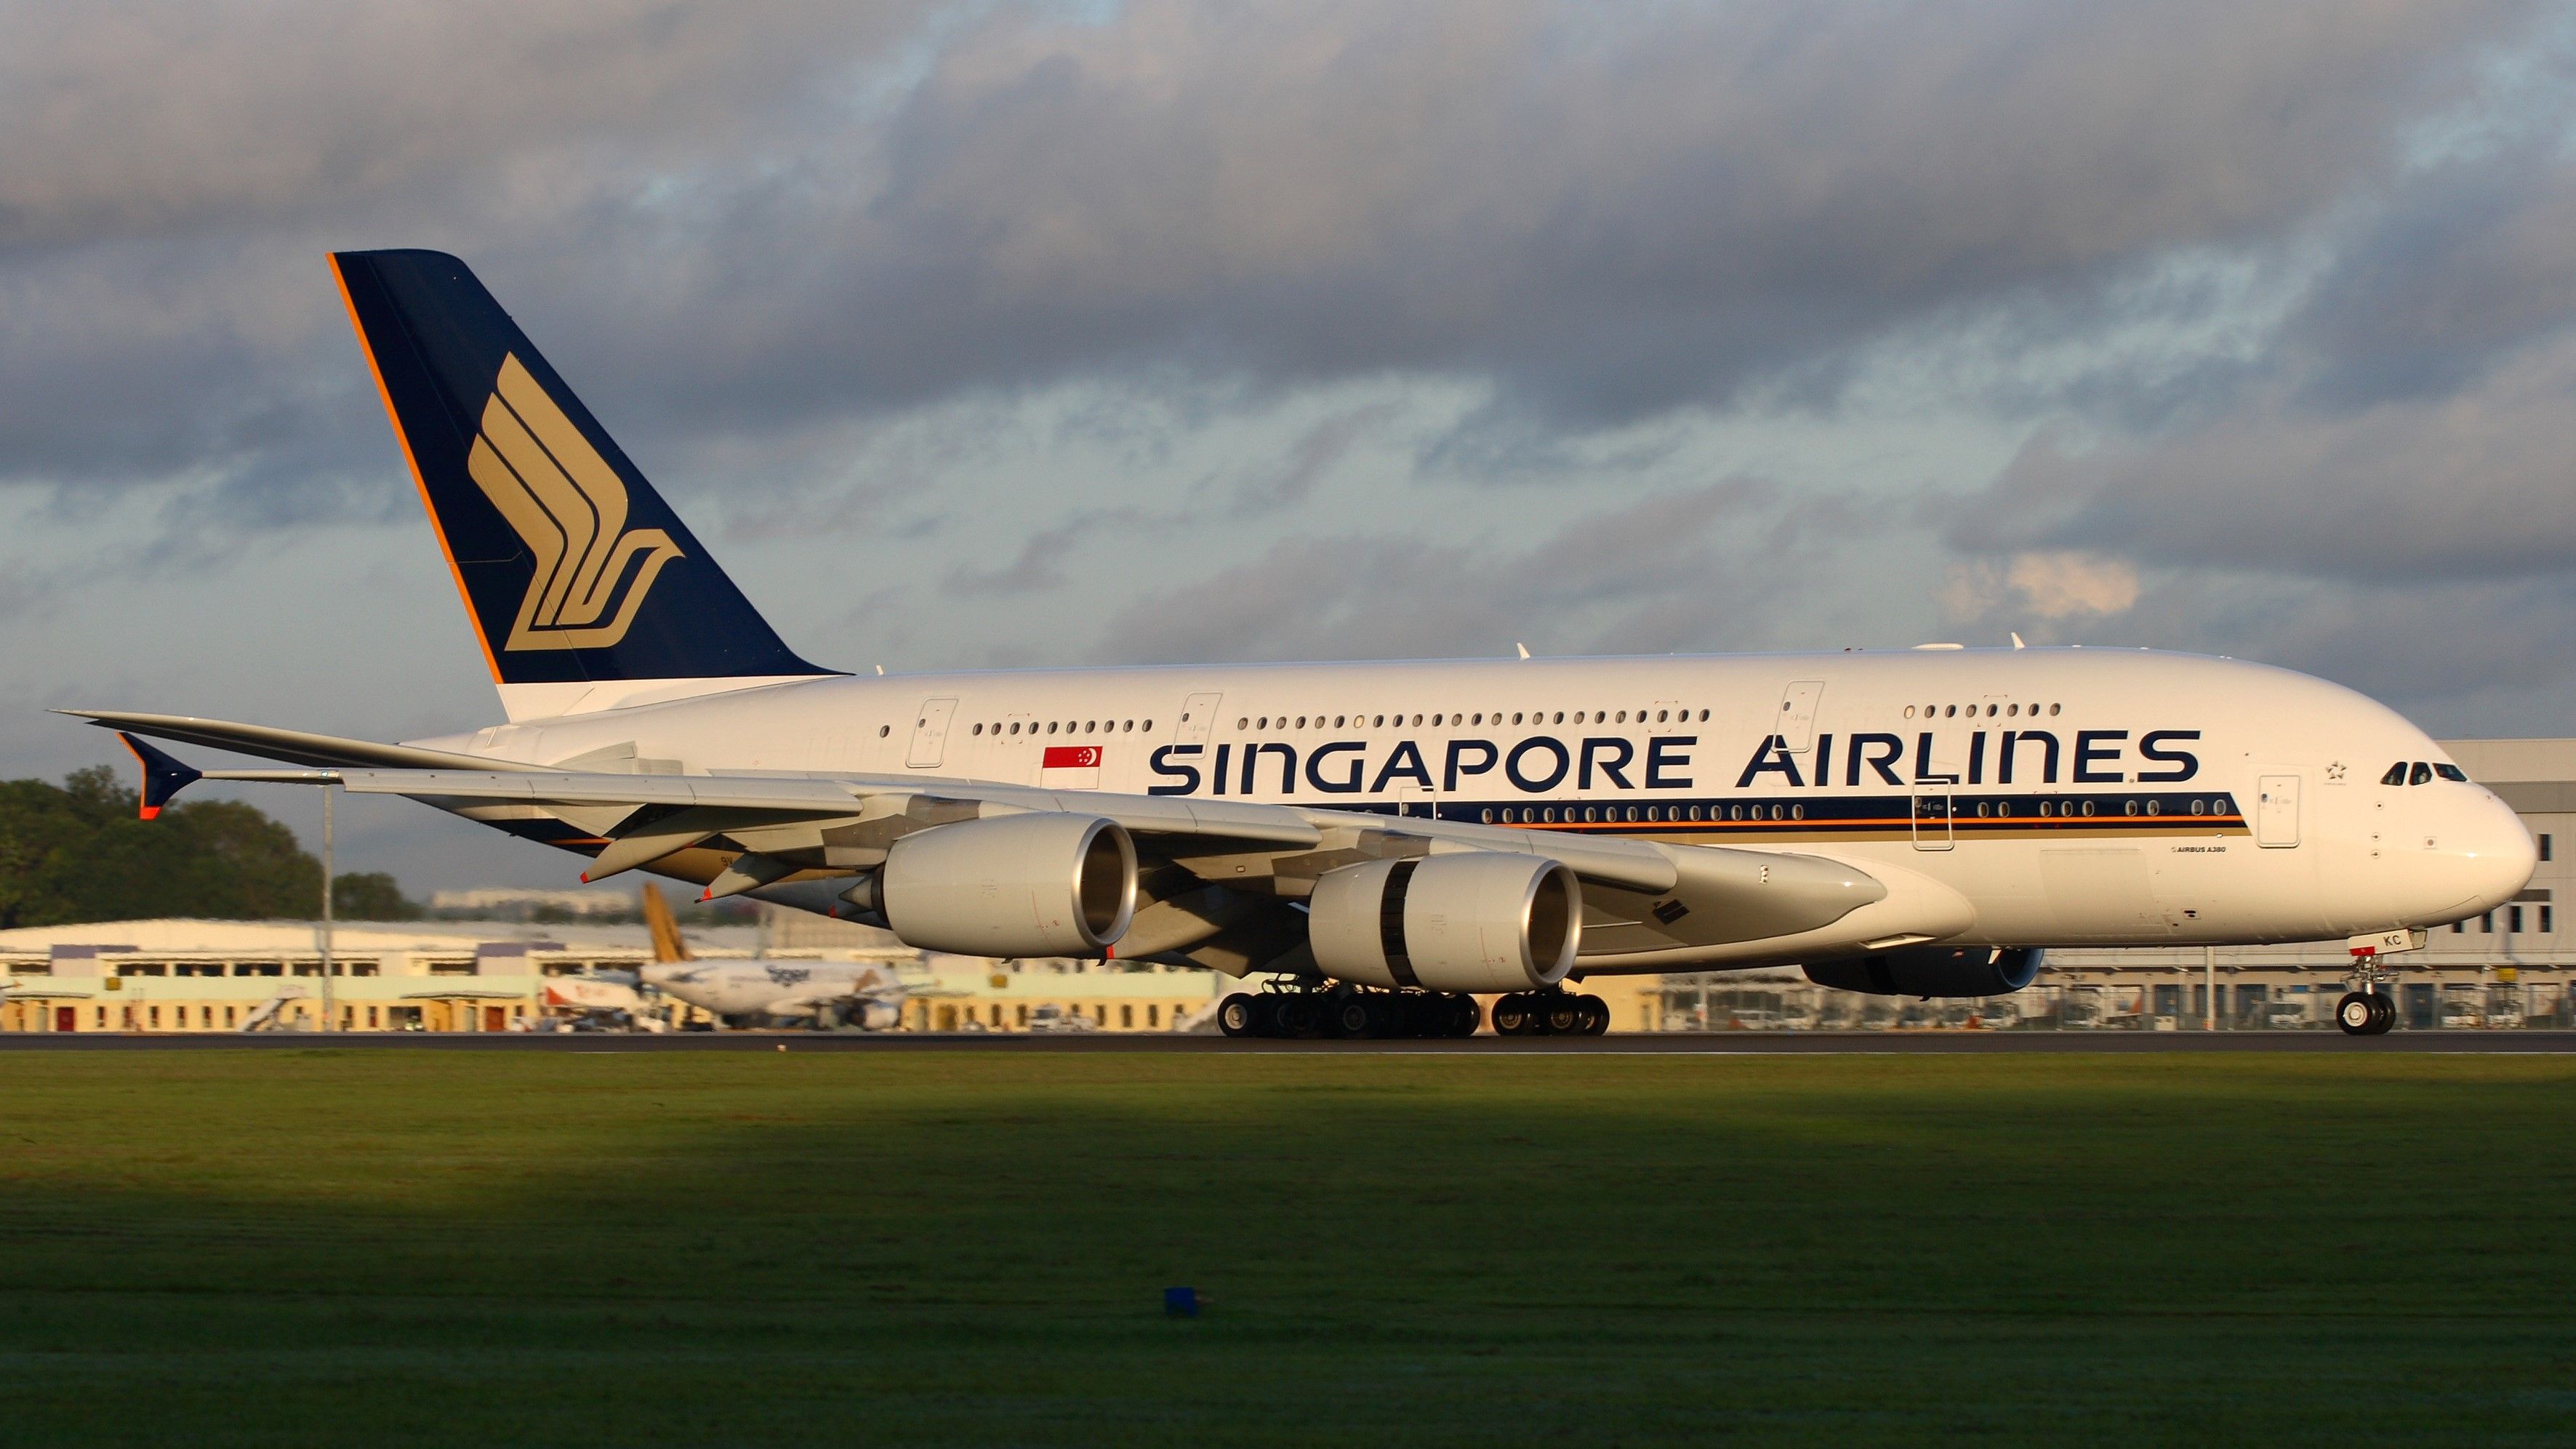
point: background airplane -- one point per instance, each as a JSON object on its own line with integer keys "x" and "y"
{"x": 863, "y": 994}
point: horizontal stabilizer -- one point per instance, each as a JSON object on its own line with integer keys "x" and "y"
{"x": 293, "y": 746}
{"x": 163, "y": 776}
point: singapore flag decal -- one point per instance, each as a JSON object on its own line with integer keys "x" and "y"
{"x": 1070, "y": 767}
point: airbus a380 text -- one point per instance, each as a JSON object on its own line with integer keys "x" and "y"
{"x": 1385, "y": 838}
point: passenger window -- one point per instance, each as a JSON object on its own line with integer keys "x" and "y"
{"x": 2423, "y": 774}
{"x": 2396, "y": 774}
{"x": 2452, "y": 772}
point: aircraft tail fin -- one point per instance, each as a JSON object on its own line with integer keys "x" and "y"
{"x": 668, "y": 943}
{"x": 575, "y": 573}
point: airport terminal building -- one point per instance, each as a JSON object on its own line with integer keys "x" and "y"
{"x": 479, "y": 976}
{"x": 2511, "y": 968}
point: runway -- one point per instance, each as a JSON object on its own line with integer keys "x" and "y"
{"x": 1731, "y": 1043}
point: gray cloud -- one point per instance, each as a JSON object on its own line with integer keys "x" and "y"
{"x": 751, "y": 219}
{"x": 1696, "y": 570}
{"x": 2474, "y": 484}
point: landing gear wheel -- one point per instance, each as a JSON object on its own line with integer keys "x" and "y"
{"x": 1596, "y": 1016}
{"x": 1464, "y": 1015}
{"x": 1564, "y": 1014}
{"x": 1301, "y": 1015}
{"x": 1237, "y": 1015}
{"x": 1514, "y": 1016}
{"x": 1350, "y": 1017}
{"x": 2357, "y": 1014}
{"x": 2385, "y": 1007}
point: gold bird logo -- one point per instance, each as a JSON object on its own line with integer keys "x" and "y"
{"x": 569, "y": 507}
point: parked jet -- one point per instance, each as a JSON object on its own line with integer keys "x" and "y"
{"x": 865, "y": 994}
{"x": 1383, "y": 838}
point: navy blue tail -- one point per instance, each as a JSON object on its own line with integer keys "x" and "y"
{"x": 572, "y": 567}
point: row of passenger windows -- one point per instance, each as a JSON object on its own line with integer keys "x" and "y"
{"x": 1597, "y": 814}
{"x": 1070, "y": 726}
{"x": 1535, "y": 716}
{"x": 2065, "y": 808}
{"x": 1931, "y": 808}
{"x": 2419, "y": 772}
{"x": 1951, "y": 711}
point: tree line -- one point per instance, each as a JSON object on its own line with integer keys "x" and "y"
{"x": 77, "y": 852}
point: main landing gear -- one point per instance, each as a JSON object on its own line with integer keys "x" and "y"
{"x": 1551, "y": 1013}
{"x": 2368, "y": 1009}
{"x": 1349, "y": 1012}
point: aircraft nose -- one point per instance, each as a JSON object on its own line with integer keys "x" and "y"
{"x": 2495, "y": 850}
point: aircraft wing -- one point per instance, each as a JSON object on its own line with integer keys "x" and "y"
{"x": 1212, "y": 866}
{"x": 1221, "y": 879}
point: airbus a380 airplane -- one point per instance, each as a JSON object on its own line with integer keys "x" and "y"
{"x": 1384, "y": 837}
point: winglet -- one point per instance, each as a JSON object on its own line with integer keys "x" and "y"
{"x": 163, "y": 776}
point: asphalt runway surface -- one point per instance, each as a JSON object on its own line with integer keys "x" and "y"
{"x": 1637, "y": 1044}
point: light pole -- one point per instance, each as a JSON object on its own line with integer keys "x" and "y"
{"x": 2208, "y": 978}
{"x": 326, "y": 908}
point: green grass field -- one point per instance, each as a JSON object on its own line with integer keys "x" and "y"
{"x": 269, "y": 1247}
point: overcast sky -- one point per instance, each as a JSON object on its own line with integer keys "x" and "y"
{"x": 1094, "y": 333}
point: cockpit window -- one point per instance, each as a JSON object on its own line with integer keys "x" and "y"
{"x": 2423, "y": 774}
{"x": 2452, "y": 772}
{"x": 2396, "y": 774}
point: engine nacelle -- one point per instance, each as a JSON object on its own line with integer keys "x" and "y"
{"x": 1474, "y": 921}
{"x": 1932, "y": 971}
{"x": 1044, "y": 884}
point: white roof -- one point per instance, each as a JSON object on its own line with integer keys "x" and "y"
{"x": 180, "y": 933}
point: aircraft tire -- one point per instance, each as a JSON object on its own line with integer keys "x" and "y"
{"x": 2386, "y": 1007}
{"x": 1300, "y": 1015}
{"x": 1515, "y": 1015}
{"x": 1564, "y": 1014}
{"x": 1237, "y": 1015}
{"x": 1465, "y": 1016}
{"x": 1596, "y": 1016}
{"x": 1350, "y": 1017}
{"x": 2357, "y": 1014}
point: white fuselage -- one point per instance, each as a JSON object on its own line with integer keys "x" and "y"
{"x": 2045, "y": 796}
{"x": 759, "y": 988}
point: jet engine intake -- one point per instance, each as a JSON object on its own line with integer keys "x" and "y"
{"x": 1042, "y": 884}
{"x": 1473, "y": 921}
{"x": 1932, "y": 971}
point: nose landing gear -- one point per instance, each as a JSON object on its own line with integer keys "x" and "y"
{"x": 2366, "y": 1010}
{"x": 2365, "y": 1013}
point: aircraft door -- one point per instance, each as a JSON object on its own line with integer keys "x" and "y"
{"x": 930, "y": 734}
{"x": 1198, "y": 716}
{"x": 1932, "y": 820}
{"x": 2276, "y": 812}
{"x": 1796, "y": 721}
